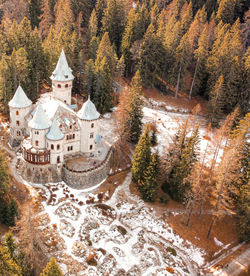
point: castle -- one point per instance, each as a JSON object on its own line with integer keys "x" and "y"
{"x": 50, "y": 130}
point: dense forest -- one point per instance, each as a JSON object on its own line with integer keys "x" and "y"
{"x": 198, "y": 48}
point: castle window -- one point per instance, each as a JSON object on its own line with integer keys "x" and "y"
{"x": 92, "y": 125}
{"x": 37, "y": 143}
{"x": 91, "y": 135}
{"x": 66, "y": 85}
{"x": 17, "y": 123}
{"x": 73, "y": 136}
{"x": 17, "y": 112}
{"x": 52, "y": 146}
{"x": 58, "y": 159}
{"x": 58, "y": 147}
{"x": 66, "y": 76}
{"x": 91, "y": 147}
{"x": 70, "y": 126}
{"x": 59, "y": 86}
{"x": 71, "y": 147}
{"x": 18, "y": 133}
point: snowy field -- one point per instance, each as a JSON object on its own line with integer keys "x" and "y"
{"x": 120, "y": 233}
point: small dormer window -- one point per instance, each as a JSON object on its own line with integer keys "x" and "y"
{"x": 59, "y": 86}
{"x": 70, "y": 126}
{"x": 17, "y": 112}
{"x": 66, "y": 85}
{"x": 66, "y": 76}
{"x": 92, "y": 125}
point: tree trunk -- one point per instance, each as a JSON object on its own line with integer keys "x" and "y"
{"x": 210, "y": 176}
{"x": 189, "y": 215}
{"x": 178, "y": 82}
{"x": 192, "y": 85}
{"x": 211, "y": 226}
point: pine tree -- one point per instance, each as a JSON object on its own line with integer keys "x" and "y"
{"x": 103, "y": 97}
{"x": 216, "y": 102}
{"x": 152, "y": 57}
{"x": 149, "y": 186}
{"x": 52, "y": 269}
{"x": 46, "y": 19}
{"x": 93, "y": 26}
{"x": 106, "y": 50}
{"x": 4, "y": 177}
{"x": 64, "y": 16}
{"x": 181, "y": 158}
{"x": 12, "y": 212}
{"x": 113, "y": 21}
{"x": 89, "y": 78}
{"x": 99, "y": 7}
{"x": 34, "y": 11}
{"x": 141, "y": 158}
{"x": 239, "y": 188}
{"x": 135, "y": 115}
{"x": 226, "y": 11}
{"x": 187, "y": 17}
{"x": 153, "y": 138}
{"x": 93, "y": 47}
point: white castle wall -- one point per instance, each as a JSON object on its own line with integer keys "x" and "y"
{"x": 62, "y": 91}
{"x": 18, "y": 124}
{"x": 89, "y": 130}
{"x": 38, "y": 135}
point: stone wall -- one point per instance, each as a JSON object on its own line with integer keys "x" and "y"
{"x": 40, "y": 173}
{"x": 88, "y": 178}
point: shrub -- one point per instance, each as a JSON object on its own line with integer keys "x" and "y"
{"x": 172, "y": 251}
{"x": 164, "y": 198}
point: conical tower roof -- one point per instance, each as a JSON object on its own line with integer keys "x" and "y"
{"x": 62, "y": 72}
{"x": 40, "y": 119}
{"x": 88, "y": 111}
{"x": 20, "y": 100}
{"x": 55, "y": 133}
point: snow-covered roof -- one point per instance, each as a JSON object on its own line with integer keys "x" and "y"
{"x": 40, "y": 119}
{"x": 55, "y": 133}
{"x": 20, "y": 100}
{"x": 88, "y": 111}
{"x": 62, "y": 72}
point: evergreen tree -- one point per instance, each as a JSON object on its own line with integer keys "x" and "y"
{"x": 34, "y": 11}
{"x": 64, "y": 17}
{"x": 93, "y": 47}
{"x": 226, "y": 11}
{"x": 152, "y": 56}
{"x": 106, "y": 50}
{"x": 149, "y": 186}
{"x": 46, "y": 18}
{"x": 12, "y": 212}
{"x": 89, "y": 78}
{"x": 103, "y": 97}
{"x": 181, "y": 158}
{"x": 239, "y": 188}
{"x": 216, "y": 102}
{"x": 99, "y": 7}
{"x": 153, "y": 138}
{"x": 135, "y": 114}
{"x": 141, "y": 158}
{"x": 187, "y": 17}
{"x": 113, "y": 21}
{"x": 4, "y": 177}
{"x": 52, "y": 269}
{"x": 93, "y": 26}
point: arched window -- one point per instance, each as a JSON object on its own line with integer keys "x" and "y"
{"x": 37, "y": 143}
{"x": 52, "y": 146}
{"x": 92, "y": 125}
{"x": 66, "y": 85}
{"x": 59, "y": 86}
{"x": 18, "y": 133}
{"x": 58, "y": 147}
{"x": 70, "y": 126}
{"x": 91, "y": 135}
{"x": 17, "y": 112}
{"x": 58, "y": 159}
{"x": 91, "y": 147}
{"x": 73, "y": 136}
{"x": 17, "y": 123}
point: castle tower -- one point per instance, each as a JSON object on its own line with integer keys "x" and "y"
{"x": 39, "y": 126}
{"x": 62, "y": 80}
{"x": 55, "y": 143}
{"x": 88, "y": 119}
{"x": 19, "y": 106}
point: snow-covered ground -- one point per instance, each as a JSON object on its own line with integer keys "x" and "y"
{"x": 121, "y": 233}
